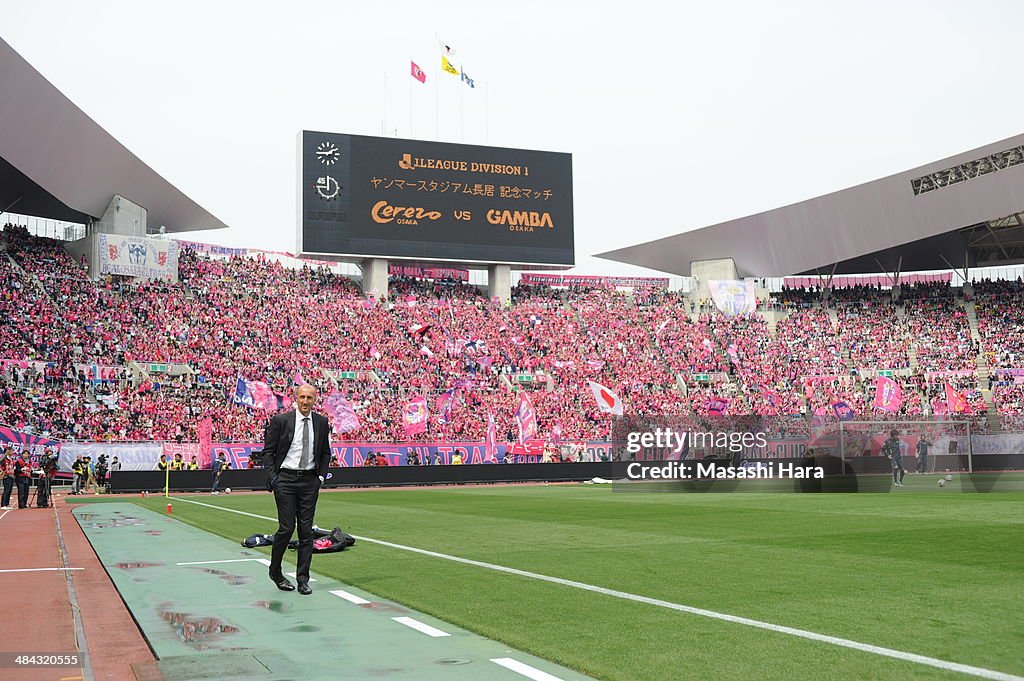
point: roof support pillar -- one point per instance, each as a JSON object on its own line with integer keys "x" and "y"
{"x": 704, "y": 270}
{"x": 375, "y": 277}
{"x": 499, "y": 283}
{"x": 123, "y": 217}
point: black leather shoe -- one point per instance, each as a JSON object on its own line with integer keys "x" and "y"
{"x": 304, "y": 589}
{"x": 283, "y": 584}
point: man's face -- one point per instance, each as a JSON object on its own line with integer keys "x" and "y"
{"x": 305, "y": 397}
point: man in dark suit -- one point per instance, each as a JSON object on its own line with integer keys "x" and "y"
{"x": 296, "y": 455}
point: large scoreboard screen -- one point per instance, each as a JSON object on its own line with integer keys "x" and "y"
{"x": 406, "y": 199}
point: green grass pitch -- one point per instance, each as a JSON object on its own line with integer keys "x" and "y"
{"x": 922, "y": 570}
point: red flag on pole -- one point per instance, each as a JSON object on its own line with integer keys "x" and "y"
{"x": 417, "y": 73}
{"x": 956, "y": 402}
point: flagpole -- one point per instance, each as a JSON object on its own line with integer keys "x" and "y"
{"x": 384, "y": 99}
{"x": 410, "y": 103}
{"x": 487, "y": 112}
{"x": 462, "y": 108}
{"x": 437, "y": 99}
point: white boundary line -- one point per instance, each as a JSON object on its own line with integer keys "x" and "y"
{"x": 350, "y": 597}
{"x": 60, "y": 569}
{"x": 980, "y": 672}
{"x": 233, "y": 560}
{"x": 4, "y": 513}
{"x": 524, "y": 669}
{"x": 433, "y": 632}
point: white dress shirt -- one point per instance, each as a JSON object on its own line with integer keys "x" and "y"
{"x": 294, "y": 455}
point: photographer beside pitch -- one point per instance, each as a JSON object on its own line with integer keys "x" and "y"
{"x": 296, "y": 456}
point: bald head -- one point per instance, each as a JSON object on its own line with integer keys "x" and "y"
{"x": 305, "y": 398}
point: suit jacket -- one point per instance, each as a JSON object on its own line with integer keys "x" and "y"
{"x": 278, "y": 439}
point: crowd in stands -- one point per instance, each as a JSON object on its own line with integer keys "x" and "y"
{"x": 467, "y": 354}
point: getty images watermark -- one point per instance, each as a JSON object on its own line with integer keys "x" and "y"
{"x": 726, "y": 454}
{"x": 715, "y": 454}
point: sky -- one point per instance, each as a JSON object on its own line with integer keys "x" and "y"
{"x": 678, "y": 115}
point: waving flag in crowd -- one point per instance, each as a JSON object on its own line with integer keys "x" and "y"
{"x": 444, "y": 406}
{"x": 607, "y": 401}
{"x": 843, "y": 411}
{"x": 717, "y": 406}
{"x": 414, "y": 417}
{"x": 255, "y": 394}
{"x": 556, "y": 434}
{"x": 340, "y": 412}
{"x": 242, "y": 395}
{"x": 888, "y": 394}
{"x": 526, "y": 417}
{"x": 956, "y": 402}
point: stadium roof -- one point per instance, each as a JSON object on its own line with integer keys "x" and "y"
{"x": 962, "y": 211}
{"x": 56, "y": 162}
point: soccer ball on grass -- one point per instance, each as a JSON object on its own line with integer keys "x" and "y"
{"x": 227, "y": 490}
{"x": 942, "y": 482}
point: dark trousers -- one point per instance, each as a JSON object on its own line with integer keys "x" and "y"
{"x": 8, "y": 488}
{"x": 295, "y": 495}
{"x": 922, "y": 463}
{"x": 898, "y": 471}
{"x": 22, "y": 482}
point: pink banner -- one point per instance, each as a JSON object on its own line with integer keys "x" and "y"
{"x": 526, "y": 418}
{"x": 414, "y": 416}
{"x": 428, "y": 272}
{"x": 593, "y": 280}
{"x": 205, "y": 431}
{"x": 187, "y": 451}
{"x": 340, "y": 412}
{"x": 888, "y": 394}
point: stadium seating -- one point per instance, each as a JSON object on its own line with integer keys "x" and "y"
{"x": 253, "y": 318}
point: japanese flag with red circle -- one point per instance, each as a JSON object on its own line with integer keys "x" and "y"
{"x": 607, "y": 401}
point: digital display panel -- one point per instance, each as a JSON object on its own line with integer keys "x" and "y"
{"x": 395, "y": 198}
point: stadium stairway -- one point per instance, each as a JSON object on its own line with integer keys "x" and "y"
{"x": 972, "y": 320}
{"x": 772, "y": 317}
{"x": 901, "y": 315}
{"x": 982, "y": 367}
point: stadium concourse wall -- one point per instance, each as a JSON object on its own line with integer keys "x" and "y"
{"x": 143, "y": 456}
{"x": 384, "y": 476}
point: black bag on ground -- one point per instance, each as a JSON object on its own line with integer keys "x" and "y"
{"x": 327, "y": 541}
{"x": 258, "y": 540}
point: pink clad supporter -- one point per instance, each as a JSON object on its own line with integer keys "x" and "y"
{"x": 224, "y": 320}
